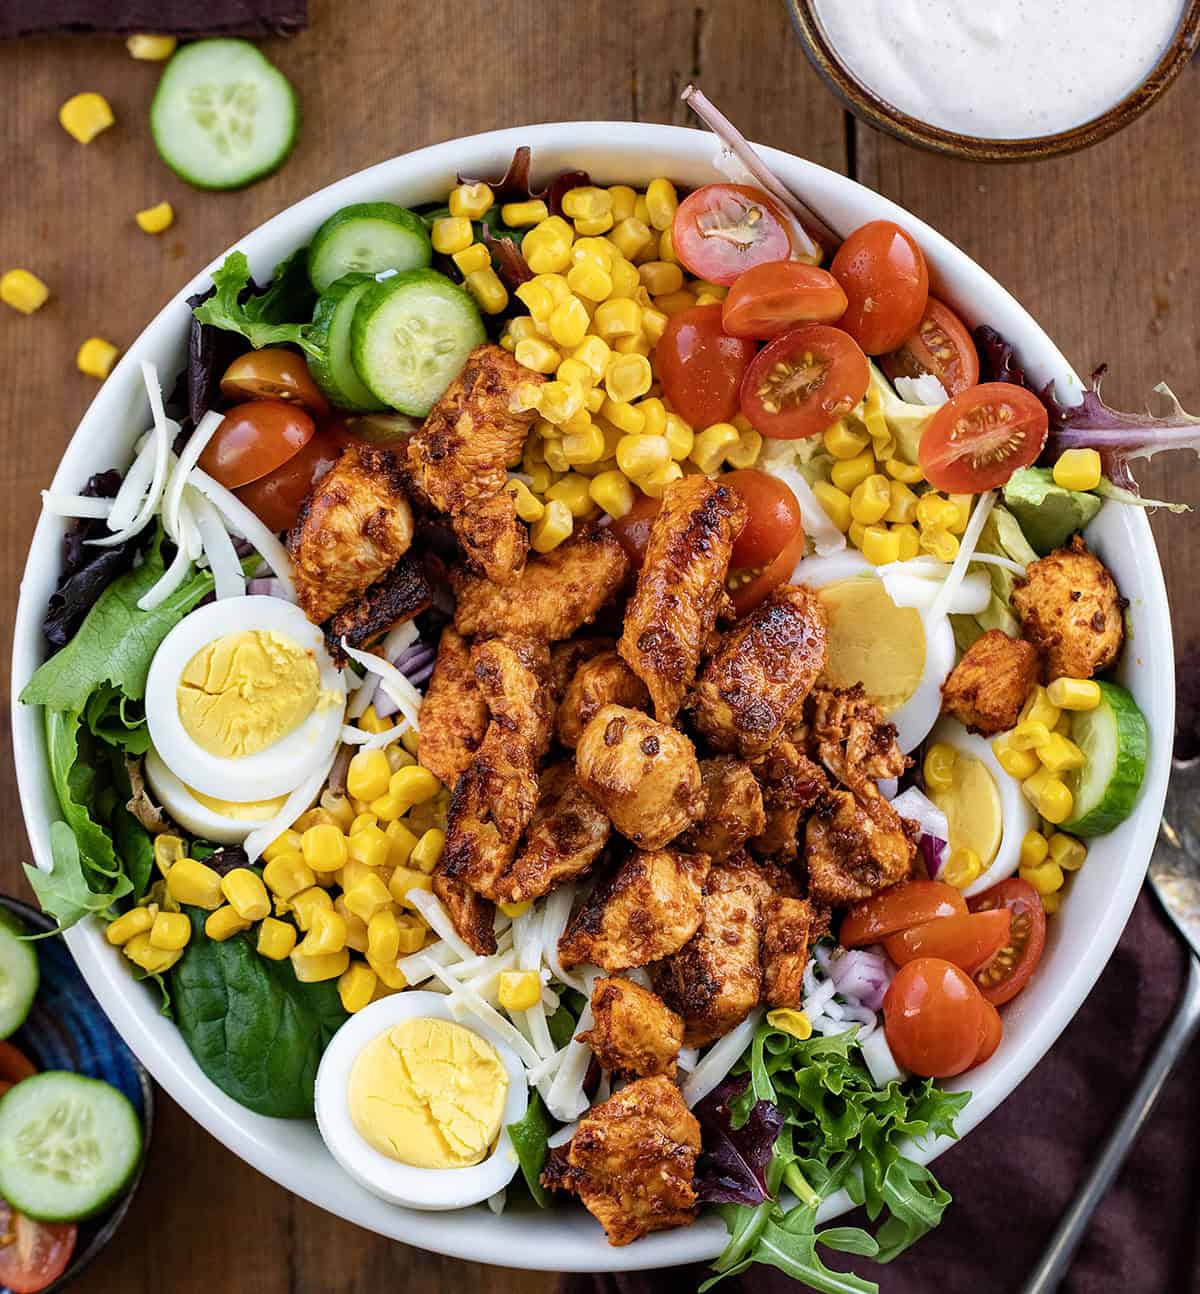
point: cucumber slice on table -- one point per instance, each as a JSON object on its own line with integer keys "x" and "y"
{"x": 367, "y": 238}
{"x": 411, "y": 336}
{"x": 223, "y": 115}
{"x": 18, "y": 974}
{"x": 334, "y": 372}
{"x": 68, "y": 1145}
{"x": 1114, "y": 739}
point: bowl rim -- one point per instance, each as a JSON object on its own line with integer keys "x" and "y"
{"x": 567, "y": 1240}
{"x": 876, "y": 111}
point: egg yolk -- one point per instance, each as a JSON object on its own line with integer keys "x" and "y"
{"x": 972, "y": 807}
{"x": 243, "y": 692}
{"x": 872, "y": 641}
{"x": 240, "y": 810}
{"x": 429, "y": 1093}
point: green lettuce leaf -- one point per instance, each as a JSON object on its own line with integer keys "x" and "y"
{"x": 266, "y": 319}
{"x": 64, "y": 892}
{"x": 529, "y": 1138}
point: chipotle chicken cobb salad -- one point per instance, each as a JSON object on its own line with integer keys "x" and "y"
{"x": 615, "y": 680}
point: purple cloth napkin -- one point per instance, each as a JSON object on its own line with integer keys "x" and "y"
{"x": 1013, "y": 1176}
{"x": 171, "y": 17}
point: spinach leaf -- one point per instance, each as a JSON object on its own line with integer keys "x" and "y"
{"x": 64, "y": 892}
{"x": 562, "y": 1025}
{"x": 258, "y": 318}
{"x": 135, "y": 849}
{"x": 253, "y": 1028}
{"x": 529, "y": 1136}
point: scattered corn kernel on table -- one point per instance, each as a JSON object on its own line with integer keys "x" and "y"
{"x": 1110, "y": 274}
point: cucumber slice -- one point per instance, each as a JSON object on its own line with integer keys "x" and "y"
{"x": 367, "y": 238}
{"x": 1115, "y": 739}
{"x": 334, "y": 372}
{"x": 411, "y": 336}
{"x": 68, "y": 1145}
{"x": 18, "y": 974}
{"x": 222, "y": 115}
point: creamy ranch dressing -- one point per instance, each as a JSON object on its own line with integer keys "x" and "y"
{"x": 1000, "y": 69}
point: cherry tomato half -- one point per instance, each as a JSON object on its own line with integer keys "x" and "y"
{"x": 273, "y": 374}
{"x": 632, "y": 531}
{"x": 721, "y": 230}
{"x": 911, "y": 903}
{"x": 772, "y": 517}
{"x": 942, "y": 346}
{"x": 993, "y": 1031}
{"x": 748, "y": 588}
{"x": 14, "y": 1064}
{"x": 701, "y": 369}
{"x": 37, "y": 1254}
{"x": 980, "y": 438}
{"x": 933, "y": 1018}
{"x": 1002, "y": 978}
{"x": 966, "y": 940}
{"x": 255, "y": 438}
{"x": 276, "y": 498}
{"x": 886, "y": 281}
{"x": 803, "y": 381}
{"x": 771, "y": 299}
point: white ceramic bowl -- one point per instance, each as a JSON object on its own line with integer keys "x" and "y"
{"x": 1082, "y": 936}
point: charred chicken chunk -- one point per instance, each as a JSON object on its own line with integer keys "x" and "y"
{"x": 786, "y": 933}
{"x": 856, "y": 844}
{"x": 681, "y": 587}
{"x": 635, "y": 1033}
{"x": 852, "y": 738}
{"x": 649, "y": 908}
{"x": 643, "y": 774}
{"x": 759, "y": 676}
{"x": 603, "y": 680}
{"x": 567, "y": 657}
{"x": 454, "y": 715}
{"x": 632, "y": 1161}
{"x": 353, "y": 528}
{"x": 555, "y": 595}
{"x": 791, "y": 784}
{"x": 402, "y": 594}
{"x": 1071, "y": 611}
{"x": 473, "y": 917}
{"x": 733, "y": 808}
{"x": 988, "y": 687}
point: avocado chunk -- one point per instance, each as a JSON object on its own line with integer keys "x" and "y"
{"x": 1048, "y": 514}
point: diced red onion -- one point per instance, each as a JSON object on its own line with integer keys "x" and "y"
{"x": 341, "y": 766}
{"x": 270, "y": 588}
{"x": 935, "y": 829}
{"x": 415, "y": 662}
{"x": 861, "y": 975}
{"x": 934, "y": 851}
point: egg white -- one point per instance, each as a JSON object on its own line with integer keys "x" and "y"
{"x": 182, "y": 805}
{"x": 919, "y": 713}
{"x": 433, "y": 1189}
{"x": 267, "y": 773}
{"x": 1017, "y": 813}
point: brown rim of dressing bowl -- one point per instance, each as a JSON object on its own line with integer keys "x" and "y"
{"x": 876, "y": 111}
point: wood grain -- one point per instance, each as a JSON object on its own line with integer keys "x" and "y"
{"x": 1101, "y": 247}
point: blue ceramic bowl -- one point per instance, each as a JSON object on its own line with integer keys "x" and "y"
{"x": 66, "y": 1029}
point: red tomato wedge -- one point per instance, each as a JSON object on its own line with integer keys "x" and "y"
{"x": 803, "y": 381}
{"x": 772, "y": 299}
{"x": 254, "y": 439}
{"x": 701, "y": 369}
{"x": 966, "y": 940}
{"x": 992, "y": 1033}
{"x": 1002, "y": 978}
{"x": 941, "y": 346}
{"x": 722, "y": 230}
{"x": 273, "y": 374}
{"x": 911, "y": 903}
{"x": 933, "y": 1018}
{"x": 14, "y": 1064}
{"x": 749, "y": 588}
{"x": 37, "y": 1254}
{"x": 886, "y": 281}
{"x": 977, "y": 440}
{"x": 276, "y": 498}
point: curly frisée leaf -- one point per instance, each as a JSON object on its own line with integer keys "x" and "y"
{"x": 257, "y": 318}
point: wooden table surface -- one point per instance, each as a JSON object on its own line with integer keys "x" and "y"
{"x": 1102, "y": 247}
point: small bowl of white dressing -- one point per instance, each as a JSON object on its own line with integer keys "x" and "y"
{"x": 999, "y": 80}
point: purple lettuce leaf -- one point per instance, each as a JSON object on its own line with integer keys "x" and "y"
{"x": 732, "y": 1168}
{"x": 515, "y": 185}
{"x": 507, "y": 254}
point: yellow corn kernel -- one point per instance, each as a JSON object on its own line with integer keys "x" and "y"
{"x": 640, "y": 210}
{"x": 593, "y": 402}
{"x": 136, "y": 921}
{"x": 627, "y": 377}
{"x": 674, "y": 302}
{"x": 712, "y": 444}
{"x": 520, "y": 990}
{"x": 963, "y": 867}
{"x": 538, "y": 300}
{"x": 154, "y": 961}
{"x": 587, "y": 202}
{"x": 529, "y": 508}
{"x": 790, "y": 1021}
{"x": 631, "y": 237}
{"x": 371, "y": 846}
{"x": 556, "y": 284}
{"x": 538, "y": 355}
{"x": 224, "y": 923}
{"x": 850, "y": 473}
{"x": 707, "y": 299}
{"x": 618, "y": 318}
{"x": 638, "y": 456}
{"x": 324, "y": 847}
{"x": 453, "y": 234}
{"x": 192, "y": 882}
{"x": 470, "y": 201}
{"x": 910, "y": 541}
{"x": 150, "y": 48}
{"x": 556, "y": 460}
{"x": 84, "y": 116}
{"x": 168, "y": 850}
{"x": 623, "y": 199}
{"x": 654, "y": 485}
{"x": 370, "y": 722}
{"x": 880, "y": 545}
{"x": 870, "y": 500}
{"x": 1046, "y": 878}
{"x": 843, "y": 441}
{"x": 427, "y": 852}
{"x": 612, "y": 492}
{"x": 326, "y": 933}
{"x": 1078, "y": 469}
{"x": 521, "y": 327}
{"x": 568, "y": 323}
{"x": 660, "y": 278}
{"x": 472, "y": 259}
{"x": 515, "y": 909}
{"x": 573, "y": 489}
{"x": 560, "y": 402}
{"x": 383, "y": 936}
{"x": 935, "y": 512}
{"x": 666, "y": 247}
{"x": 680, "y": 437}
{"x": 855, "y": 533}
{"x": 1049, "y": 795}
{"x": 411, "y": 939}
{"x": 633, "y": 345}
{"x": 367, "y": 776}
{"x": 599, "y": 252}
{"x": 595, "y": 353}
{"x": 315, "y": 818}
{"x": 246, "y": 893}
{"x": 581, "y": 448}
{"x": 654, "y": 324}
{"x": 835, "y": 503}
{"x": 547, "y": 249}
{"x": 156, "y": 219}
{"x": 594, "y": 228}
{"x": 903, "y": 507}
{"x": 625, "y": 283}
{"x": 416, "y": 784}
{"x": 367, "y": 896}
{"x": 1034, "y": 849}
{"x": 939, "y": 543}
{"x": 1059, "y": 754}
{"x": 590, "y": 281}
{"x": 356, "y": 927}
{"x": 702, "y": 287}
{"x": 307, "y": 902}
{"x": 1029, "y": 734}
{"x": 287, "y": 874}
{"x": 312, "y": 970}
{"x": 338, "y": 807}
{"x": 518, "y": 215}
{"x": 962, "y": 507}
{"x": 661, "y": 203}
{"x": 555, "y": 526}
{"x": 489, "y": 292}
{"x": 908, "y": 473}
{"x": 276, "y": 939}
{"x": 939, "y": 766}
{"x": 624, "y": 416}
{"x": 576, "y": 373}
{"x": 1040, "y": 709}
{"x": 1073, "y": 693}
{"x": 96, "y": 357}
{"x": 23, "y": 291}
{"x": 405, "y": 879}
{"x": 1051, "y": 902}
{"x": 356, "y": 986}
{"x": 1070, "y": 854}
{"x": 1016, "y": 763}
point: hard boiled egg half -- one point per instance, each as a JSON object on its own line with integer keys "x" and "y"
{"x": 243, "y": 703}
{"x": 415, "y": 1105}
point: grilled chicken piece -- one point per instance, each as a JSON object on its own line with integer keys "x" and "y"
{"x": 567, "y": 657}
{"x": 564, "y": 839}
{"x": 459, "y": 459}
{"x": 649, "y": 908}
{"x": 473, "y": 917}
{"x": 988, "y": 687}
{"x": 1071, "y": 610}
{"x": 715, "y": 980}
{"x": 643, "y": 774}
{"x": 603, "y": 680}
{"x": 635, "y": 1033}
{"x": 402, "y": 594}
{"x": 850, "y": 736}
{"x": 791, "y": 784}
{"x": 495, "y": 797}
{"x": 454, "y": 715}
{"x": 759, "y": 676}
{"x": 681, "y": 588}
{"x": 632, "y": 1161}
{"x": 354, "y": 527}
{"x": 786, "y": 933}
{"x": 554, "y": 596}
{"x": 855, "y": 844}
{"x": 733, "y": 808}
